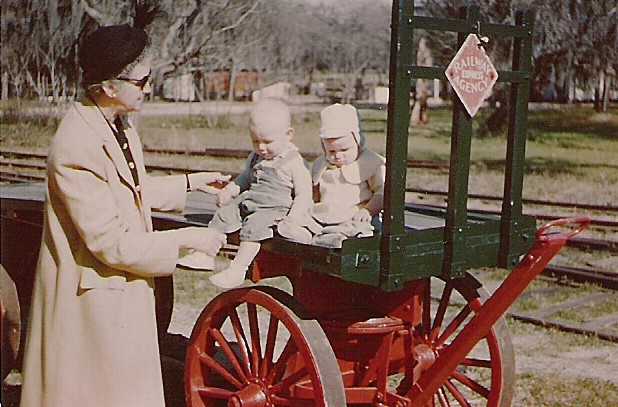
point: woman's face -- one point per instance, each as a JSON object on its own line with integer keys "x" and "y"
{"x": 129, "y": 93}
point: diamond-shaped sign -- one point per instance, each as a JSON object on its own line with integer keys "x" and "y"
{"x": 472, "y": 74}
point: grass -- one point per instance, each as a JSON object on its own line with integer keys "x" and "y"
{"x": 554, "y": 391}
{"x": 552, "y": 138}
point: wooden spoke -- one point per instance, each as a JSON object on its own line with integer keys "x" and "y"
{"x": 456, "y": 394}
{"x": 471, "y": 384}
{"x": 426, "y": 320}
{"x": 453, "y": 325}
{"x": 442, "y": 399}
{"x": 229, "y": 353}
{"x": 477, "y": 362}
{"x": 271, "y": 340}
{"x": 242, "y": 340}
{"x": 441, "y": 311}
{"x": 279, "y": 367}
{"x": 214, "y": 392}
{"x": 256, "y": 347}
{"x": 289, "y": 380}
{"x": 220, "y": 370}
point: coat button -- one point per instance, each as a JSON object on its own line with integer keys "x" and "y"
{"x": 125, "y": 146}
{"x": 132, "y": 165}
{"x": 138, "y": 188}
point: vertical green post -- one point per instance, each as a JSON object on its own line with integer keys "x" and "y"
{"x": 459, "y": 171}
{"x": 397, "y": 138}
{"x": 516, "y": 142}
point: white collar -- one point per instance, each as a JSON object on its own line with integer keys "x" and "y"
{"x": 356, "y": 172}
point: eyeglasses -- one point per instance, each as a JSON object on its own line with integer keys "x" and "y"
{"x": 140, "y": 83}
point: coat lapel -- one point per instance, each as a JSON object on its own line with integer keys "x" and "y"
{"x": 98, "y": 123}
{"x": 136, "y": 149}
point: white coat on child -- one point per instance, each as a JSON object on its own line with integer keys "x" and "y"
{"x": 349, "y": 183}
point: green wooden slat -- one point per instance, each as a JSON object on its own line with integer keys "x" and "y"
{"x": 462, "y": 26}
{"x": 442, "y": 24}
{"x": 503, "y": 30}
{"x": 459, "y": 171}
{"x": 516, "y": 144}
{"x": 428, "y": 72}
{"x": 437, "y": 72}
{"x": 515, "y": 76}
{"x": 401, "y": 57}
{"x": 398, "y": 117}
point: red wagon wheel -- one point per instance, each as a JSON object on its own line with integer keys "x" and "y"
{"x": 251, "y": 347}
{"x": 10, "y": 323}
{"x": 486, "y": 376}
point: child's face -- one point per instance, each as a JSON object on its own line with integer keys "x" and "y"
{"x": 269, "y": 144}
{"x": 341, "y": 151}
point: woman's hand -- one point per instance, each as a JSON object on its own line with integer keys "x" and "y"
{"x": 202, "y": 239}
{"x": 209, "y": 182}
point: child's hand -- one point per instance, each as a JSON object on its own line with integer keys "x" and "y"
{"x": 362, "y": 215}
{"x": 224, "y": 196}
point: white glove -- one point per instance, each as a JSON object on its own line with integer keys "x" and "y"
{"x": 209, "y": 182}
{"x": 201, "y": 239}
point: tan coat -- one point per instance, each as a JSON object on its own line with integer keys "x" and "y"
{"x": 92, "y": 338}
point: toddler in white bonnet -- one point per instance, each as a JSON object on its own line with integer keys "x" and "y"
{"x": 348, "y": 182}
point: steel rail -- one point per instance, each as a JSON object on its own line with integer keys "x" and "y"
{"x": 563, "y": 326}
{"x": 594, "y": 244}
{"x": 594, "y": 221}
{"x": 601, "y": 278}
{"x": 605, "y": 208}
{"x": 220, "y": 153}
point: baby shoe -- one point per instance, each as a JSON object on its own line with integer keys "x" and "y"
{"x": 332, "y": 240}
{"x": 197, "y": 260}
{"x": 350, "y": 229}
{"x": 294, "y": 232}
{"x": 229, "y": 278}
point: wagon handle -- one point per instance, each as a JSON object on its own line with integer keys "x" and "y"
{"x": 548, "y": 232}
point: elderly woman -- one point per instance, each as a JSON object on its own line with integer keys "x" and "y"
{"x": 92, "y": 338}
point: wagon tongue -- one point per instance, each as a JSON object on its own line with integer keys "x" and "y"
{"x": 548, "y": 243}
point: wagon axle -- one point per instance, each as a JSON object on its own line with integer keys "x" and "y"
{"x": 250, "y": 396}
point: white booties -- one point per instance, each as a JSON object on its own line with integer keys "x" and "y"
{"x": 234, "y": 275}
{"x": 229, "y": 278}
{"x": 197, "y": 260}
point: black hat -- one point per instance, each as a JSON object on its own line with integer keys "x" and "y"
{"x": 107, "y": 51}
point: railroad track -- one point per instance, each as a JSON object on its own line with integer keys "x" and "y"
{"x": 216, "y": 152}
{"x": 556, "y": 316}
{"x": 604, "y": 208}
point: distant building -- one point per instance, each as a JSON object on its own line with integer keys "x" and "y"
{"x": 180, "y": 88}
{"x": 279, "y": 90}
